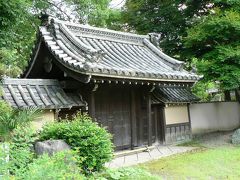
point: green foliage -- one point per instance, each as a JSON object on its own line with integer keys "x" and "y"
{"x": 215, "y": 42}
{"x": 124, "y": 173}
{"x": 11, "y": 119}
{"x": 115, "y": 21}
{"x": 18, "y": 153}
{"x": 61, "y": 165}
{"x": 4, "y": 151}
{"x": 92, "y": 142}
{"x": 5, "y": 107}
{"x": 17, "y": 32}
{"x": 171, "y": 18}
{"x": 200, "y": 89}
{"x": 19, "y": 23}
{"x": 21, "y": 148}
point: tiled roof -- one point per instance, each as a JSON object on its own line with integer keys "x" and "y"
{"x": 173, "y": 94}
{"x": 40, "y": 93}
{"x": 102, "y": 52}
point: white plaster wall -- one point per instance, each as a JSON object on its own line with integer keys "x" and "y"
{"x": 215, "y": 116}
{"x": 176, "y": 114}
{"x": 46, "y": 116}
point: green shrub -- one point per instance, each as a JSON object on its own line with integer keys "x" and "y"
{"x": 92, "y": 142}
{"x": 4, "y": 152}
{"x": 4, "y": 107}
{"x": 61, "y": 165}
{"x": 127, "y": 173}
{"x": 10, "y": 119}
{"x": 21, "y": 148}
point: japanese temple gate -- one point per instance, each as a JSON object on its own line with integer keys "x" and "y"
{"x": 124, "y": 82}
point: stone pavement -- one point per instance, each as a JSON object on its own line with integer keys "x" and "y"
{"x": 136, "y": 157}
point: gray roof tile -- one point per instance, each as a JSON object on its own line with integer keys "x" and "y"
{"x": 40, "y": 93}
{"x": 173, "y": 94}
{"x": 98, "y": 51}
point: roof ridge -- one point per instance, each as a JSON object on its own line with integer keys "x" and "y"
{"x": 100, "y": 30}
{"x": 24, "y": 81}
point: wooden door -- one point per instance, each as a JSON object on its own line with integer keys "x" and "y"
{"x": 157, "y": 124}
{"x": 113, "y": 112}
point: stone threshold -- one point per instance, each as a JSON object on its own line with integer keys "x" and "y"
{"x": 133, "y": 151}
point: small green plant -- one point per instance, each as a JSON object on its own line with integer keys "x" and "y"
{"x": 10, "y": 119}
{"x": 4, "y": 159}
{"x": 92, "y": 142}
{"x": 127, "y": 173}
{"x": 21, "y": 148}
{"x": 62, "y": 165}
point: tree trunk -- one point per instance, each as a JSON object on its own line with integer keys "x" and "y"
{"x": 237, "y": 94}
{"x": 227, "y": 95}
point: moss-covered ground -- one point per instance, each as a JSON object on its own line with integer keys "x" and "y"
{"x": 203, "y": 163}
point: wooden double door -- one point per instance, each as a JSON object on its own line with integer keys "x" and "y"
{"x": 125, "y": 116}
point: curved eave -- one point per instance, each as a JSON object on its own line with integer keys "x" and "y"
{"x": 33, "y": 57}
{"x": 62, "y": 56}
{"x": 90, "y": 74}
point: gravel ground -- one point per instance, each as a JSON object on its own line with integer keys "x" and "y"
{"x": 216, "y": 139}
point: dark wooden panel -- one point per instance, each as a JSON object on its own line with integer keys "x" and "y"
{"x": 133, "y": 120}
{"x": 141, "y": 116}
{"x": 149, "y": 119}
{"x": 92, "y": 104}
{"x": 158, "y": 133}
{"x": 112, "y": 110}
{"x": 178, "y": 132}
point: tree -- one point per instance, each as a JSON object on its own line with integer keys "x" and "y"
{"x": 19, "y": 23}
{"x": 94, "y": 12}
{"x": 204, "y": 30}
{"x": 16, "y": 35}
{"x": 214, "y": 41}
{"x": 170, "y": 18}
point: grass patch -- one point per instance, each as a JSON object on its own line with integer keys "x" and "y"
{"x": 219, "y": 163}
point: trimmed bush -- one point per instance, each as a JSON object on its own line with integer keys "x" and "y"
{"x": 92, "y": 142}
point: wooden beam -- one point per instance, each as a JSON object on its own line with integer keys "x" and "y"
{"x": 92, "y": 104}
{"x": 149, "y": 118}
{"x": 75, "y": 75}
{"x": 133, "y": 119}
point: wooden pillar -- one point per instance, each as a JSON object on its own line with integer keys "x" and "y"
{"x": 56, "y": 113}
{"x": 227, "y": 95}
{"x": 92, "y": 104}
{"x": 133, "y": 119}
{"x": 164, "y": 125}
{"x": 149, "y": 118}
{"x": 92, "y": 101}
{"x": 237, "y": 93}
{"x": 189, "y": 119}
